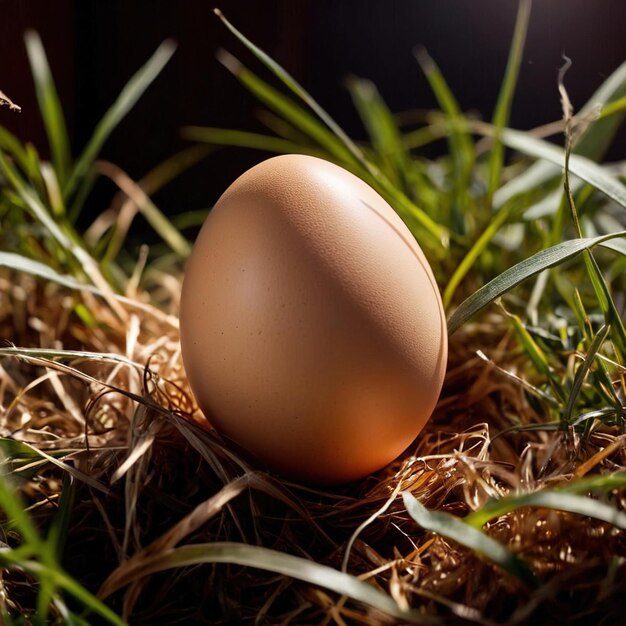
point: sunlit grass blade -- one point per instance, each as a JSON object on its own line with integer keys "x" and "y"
{"x": 519, "y": 273}
{"x": 462, "y": 150}
{"x": 155, "y": 179}
{"x": 454, "y": 528}
{"x": 612, "y": 108}
{"x": 38, "y": 210}
{"x": 536, "y": 355}
{"x": 597, "y": 137}
{"x": 244, "y": 139}
{"x": 381, "y": 127}
{"x": 551, "y": 499}
{"x": 41, "y": 270}
{"x": 582, "y": 167}
{"x": 288, "y": 109}
{"x": 128, "y": 97}
{"x": 271, "y": 561}
{"x": 606, "y": 302}
{"x": 35, "y": 268}
{"x": 421, "y": 137}
{"x": 601, "y": 483}
{"x": 505, "y": 98}
{"x": 154, "y": 216}
{"x": 434, "y": 235}
{"x": 49, "y": 106}
{"x": 296, "y": 88}
{"x": 591, "y": 144}
{"x": 581, "y": 373}
{"x": 190, "y": 219}
{"x": 499, "y": 219}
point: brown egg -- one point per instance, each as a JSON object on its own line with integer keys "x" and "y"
{"x": 312, "y": 328}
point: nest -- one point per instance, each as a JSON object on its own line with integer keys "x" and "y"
{"x": 119, "y": 427}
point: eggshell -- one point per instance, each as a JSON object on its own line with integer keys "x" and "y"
{"x": 312, "y": 328}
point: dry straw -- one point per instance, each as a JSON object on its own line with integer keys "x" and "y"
{"x": 120, "y": 500}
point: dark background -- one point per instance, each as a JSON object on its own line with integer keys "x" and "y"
{"x": 95, "y": 46}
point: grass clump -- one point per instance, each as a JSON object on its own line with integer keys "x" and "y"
{"x": 120, "y": 504}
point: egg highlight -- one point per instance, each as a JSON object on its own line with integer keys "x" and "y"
{"x": 312, "y": 330}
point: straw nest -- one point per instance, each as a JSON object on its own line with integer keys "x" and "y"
{"x": 149, "y": 474}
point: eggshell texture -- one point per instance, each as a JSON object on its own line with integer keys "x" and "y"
{"x": 312, "y": 328}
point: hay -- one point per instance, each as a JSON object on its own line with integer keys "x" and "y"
{"x": 149, "y": 475}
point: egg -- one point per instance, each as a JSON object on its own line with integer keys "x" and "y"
{"x": 312, "y": 330}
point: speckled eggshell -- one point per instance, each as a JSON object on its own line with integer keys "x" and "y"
{"x": 312, "y": 328}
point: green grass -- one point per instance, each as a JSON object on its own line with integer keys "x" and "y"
{"x": 540, "y": 251}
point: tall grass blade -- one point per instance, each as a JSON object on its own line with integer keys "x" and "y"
{"x": 49, "y": 106}
{"x": 15, "y": 510}
{"x": 244, "y": 139}
{"x": 519, "y": 273}
{"x": 592, "y": 143}
{"x": 296, "y": 88}
{"x": 288, "y": 109}
{"x": 381, "y": 128}
{"x": 435, "y": 235}
{"x": 550, "y": 499}
{"x": 537, "y": 356}
{"x": 601, "y": 483}
{"x": 582, "y": 167}
{"x": 128, "y": 97}
{"x": 41, "y": 270}
{"x": 153, "y": 215}
{"x": 271, "y": 561}
{"x": 454, "y": 528}
{"x": 460, "y": 141}
{"x": 498, "y": 220}
{"x": 598, "y": 136}
{"x": 57, "y": 535}
{"x": 581, "y": 373}
{"x": 505, "y": 98}
{"x": 57, "y": 576}
{"x": 606, "y": 302}
{"x": 10, "y": 144}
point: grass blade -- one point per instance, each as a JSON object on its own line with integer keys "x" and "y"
{"x": 296, "y": 88}
{"x": 10, "y": 144}
{"x": 128, "y": 97}
{"x": 459, "y": 139}
{"x": 57, "y": 535}
{"x": 598, "y": 136}
{"x": 592, "y": 144}
{"x": 288, "y": 109}
{"x": 271, "y": 561}
{"x": 602, "y": 483}
{"x": 15, "y": 510}
{"x": 154, "y": 216}
{"x": 243, "y": 139}
{"x": 549, "y": 499}
{"x": 49, "y": 106}
{"x": 581, "y": 373}
{"x": 505, "y": 98}
{"x": 58, "y": 577}
{"x": 536, "y": 355}
{"x": 41, "y": 270}
{"x": 454, "y": 528}
{"x": 433, "y": 233}
{"x": 498, "y": 220}
{"x": 606, "y": 302}
{"x": 381, "y": 127}
{"x": 582, "y": 167}
{"x": 519, "y": 273}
